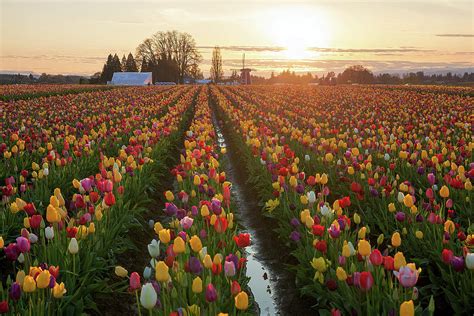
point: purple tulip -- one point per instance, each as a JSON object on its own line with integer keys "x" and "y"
{"x": 216, "y": 207}
{"x": 203, "y": 234}
{"x": 194, "y": 210}
{"x": 458, "y": 263}
{"x": 195, "y": 265}
{"x": 15, "y": 291}
{"x": 170, "y": 209}
{"x": 11, "y": 252}
{"x": 431, "y": 178}
{"x": 295, "y": 236}
{"x": 23, "y": 244}
{"x": 295, "y": 222}
{"x": 400, "y": 216}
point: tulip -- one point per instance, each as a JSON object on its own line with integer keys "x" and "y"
{"x": 23, "y": 244}
{"x": 399, "y": 260}
{"x": 43, "y": 279}
{"x": 195, "y": 243}
{"x": 15, "y": 291}
{"x": 457, "y": 263}
{"x": 341, "y": 274}
{"x": 178, "y": 245}
{"x": 407, "y": 308}
{"x": 164, "y": 235}
{"x": 154, "y": 248}
{"x": 2, "y": 243}
{"x": 59, "y": 290}
{"x": 235, "y": 288}
{"x": 229, "y": 268}
{"x": 242, "y": 240}
{"x": 470, "y": 261}
{"x": 29, "y": 284}
{"x": 406, "y": 276}
{"x": 211, "y": 293}
{"x": 161, "y": 272}
{"x": 121, "y": 271}
{"x": 134, "y": 283}
{"x": 4, "y": 308}
{"x": 376, "y": 257}
{"x": 396, "y": 240}
{"x": 447, "y": 255}
{"x": 49, "y": 232}
{"x": 444, "y": 192}
{"x": 366, "y": 280}
{"x": 241, "y": 301}
{"x": 197, "y": 285}
{"x": 363, "y": 247}
{"x": 73, "y": 246}
{"x": 148, "y": 296}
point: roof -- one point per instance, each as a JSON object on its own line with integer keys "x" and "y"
{"x": 131, "y": 78}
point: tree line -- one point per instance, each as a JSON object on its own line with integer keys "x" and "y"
{"x": 358, "y": 74}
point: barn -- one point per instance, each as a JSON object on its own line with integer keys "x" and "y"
{"x": 131, "y": 79}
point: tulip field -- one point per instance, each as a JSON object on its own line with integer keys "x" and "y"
{"x": 367, "y": 188}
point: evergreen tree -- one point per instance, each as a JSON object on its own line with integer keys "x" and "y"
{"x": 131, "y": 65}
{"x": 123, "y": 64}
{"x": 107, "y": 71}
{"x": 116, "y": 65}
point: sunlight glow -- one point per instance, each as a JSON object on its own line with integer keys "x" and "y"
{"x": 297, "y": 29}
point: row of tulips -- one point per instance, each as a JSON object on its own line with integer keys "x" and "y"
{"x": 28, "y": 91}
{"x": 323, "y": 232}
{"x": 65, "y": 249}
{"x": 420, "y": 187}
{"x": 54, "y": 159}
{"x": 197, "y": 264}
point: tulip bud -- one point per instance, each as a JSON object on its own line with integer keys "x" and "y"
{"x": 148, "y": 296}
{"x": 73, "y": 246}
{"x": 121, "y": 271}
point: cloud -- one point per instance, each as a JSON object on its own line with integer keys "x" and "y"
{"x": 321, "y": 49}
{"x": 454, "y": 35}
{"x": 247, "y": 48}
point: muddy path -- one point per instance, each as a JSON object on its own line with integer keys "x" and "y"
{"x": 272, "y": 284}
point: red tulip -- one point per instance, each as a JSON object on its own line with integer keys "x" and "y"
{"x": 235, "y": 288}
{"x": 109, "y": 199}
{"x": 134, "y": 281}
{"x": 388, "y": 263}
{"x": 376, "y": 257}
{"x": 221, "y": 225}
{"x": 447, "y": 255}
{"x": 318, "y": 230}
{"x": 366, "y": 280}
{"x": 242, "y": 240}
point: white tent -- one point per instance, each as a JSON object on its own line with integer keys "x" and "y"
{"x": 131, "y": 78}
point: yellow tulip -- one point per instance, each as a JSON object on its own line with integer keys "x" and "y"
{"x": 341, "y": 274}
{"x": 363, "y": 247}
{"x": 59, "y": 290}
{"x": 407, "y": 308}
{"x": 207, "y": 261}
{"x": 444, "y": 192}
{"x": 396, "y": 239}
{"x": 399, "y": 260}
{"x": 196, "y": 244}
{"x": 204, "y": 211}
{"x": 241, "y": 301}
{"x": 29, "y": 284}
{"x": 121, "y": 271}
{"x": 164, "y": 235}
{"x": 178, "y": 245}
{"x": 2, "y": 243}
{"x": 197, "y": 285}
{"x": 157, "y": 227}
{"x": 169, "y": 196}
{"x": 419, "y": 234}
{"x": 161, "y": 272}
{"x": 408, "y": 201}
{"x": 42, "y": 280}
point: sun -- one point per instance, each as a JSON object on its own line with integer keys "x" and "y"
{"x": 297, "y": 29}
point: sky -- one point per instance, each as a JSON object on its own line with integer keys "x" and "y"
{"x": 75, "y": 37}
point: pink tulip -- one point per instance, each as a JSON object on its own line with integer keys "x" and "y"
{"x": 406, "y": 276}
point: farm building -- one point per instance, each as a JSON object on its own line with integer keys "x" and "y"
{"x": 131, "y": 79}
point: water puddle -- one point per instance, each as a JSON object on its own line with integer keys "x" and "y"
{"x": 272, "y": 285}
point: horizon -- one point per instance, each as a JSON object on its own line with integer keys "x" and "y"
{"x": 75, "y": 37}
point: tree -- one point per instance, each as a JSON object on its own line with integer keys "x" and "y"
{"x": 123, "y": 64}
{"x": 172, "y": 46}
{"x": 356, "y": 74}
{"x": 116, "y": 65}
{"x": 107, "y": 72}
{"x": 216, "y": 68}
{"x": 130, "y": 64}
